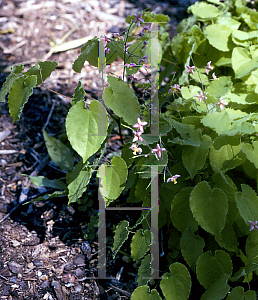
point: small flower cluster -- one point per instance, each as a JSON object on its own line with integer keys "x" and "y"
{"x": 137, "y": 136}
{"x": 158, "y": 150}
{"x": 208, "y": 68}
{"x": 201, "y": 96}
{"x": 253, "y": 225}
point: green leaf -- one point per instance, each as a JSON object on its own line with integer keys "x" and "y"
{"x": 242, "y": 63}
{"x": 189, "y": 92}
{"x": 181, "y": 215}
{"x": 227, "y": 238}
{"x": 219, "y": 121}
{"x": 58, "y": 152}
{"x": 144, "y": 272}
{"x": 218, "y": 36}
{"x": 79, "y": 184}
{"x": 226, "y": 158}
{"x": 240, "y": 56}
{"x": 210, "y": 268}
{"x": 243, "y": 35}
{"x": 19, "y": 94}
{"x": 121, "y": 99}
{"x": 223, "y": 140}
{"x": 121, "y": 235}
{"x": 189, "y": 135}
{"x": 79, "y": 93}
{"x": 191, "y": 247}
{"x": 209, "y": 207}
{"x": 70, "y": 176}
{"x": 250, "y": 295}
{"x": 150, "y": 17}
{"x": 204, "y": 11}
{"x": 237, "y": 293}
{"x": 224, "y": 182}
{"x": 226, "y": 19}
{"x": 251, "y": 152}
{"x": 143, "y": 292}
{"x": 176, "y": 285}
{"x": 54, "y": 195}
{"x": 113, "y": 178}
{"x": 244, "y": 271}
{"x": 140, "y": 243}
{"x": 15, "y": 72}
{"x": 44, "y": 181}
{"x": 194, "y": 157}
{"x": 87, "y": 53}
{"x": 247, "y": 68}
{"x": 86, "y": 129}
{"x": 45, "y": 70}
{"x": 251, "y": 247}
{"x": 218, "y": 88}
{"x": 247, "y": 203}
{"x": 218, "y": 289}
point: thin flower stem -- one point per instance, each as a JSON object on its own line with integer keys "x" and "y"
{"x": 203, "y": 89}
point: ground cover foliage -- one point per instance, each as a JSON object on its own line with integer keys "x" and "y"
{"x": 205, "y": 153}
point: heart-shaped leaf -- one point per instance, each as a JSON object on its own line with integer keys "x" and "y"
{"x": 140, "y": 243}
{"x": 176, "y": 285}
{"x": 209, "y": 268}
{"x": 86, "y": 129}
{"x": 112, "y": 178}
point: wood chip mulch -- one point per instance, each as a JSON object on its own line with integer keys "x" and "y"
{"x": 43, "y": 250}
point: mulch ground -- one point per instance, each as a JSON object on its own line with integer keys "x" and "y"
{"x": 43, "y": 250}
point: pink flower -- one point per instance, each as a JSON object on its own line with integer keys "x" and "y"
{"x": 214, "y": 76}
{"x": 143, "y": 59}
{"x": 145, "y": 29}
{"x": 253, "y": 225}
{"x": 135, "y": 149}
{"x": 158, "y": 150}
{"x": 201, "y": 97}
{"x": 118, "y": 37}
{"x": 221, "y": 103}
{"x": 139, "y": 125}
{"x": 137, "y": 136}
{"x": 190, "y": 69}
{"x": 208, "y": 67}
{"x": 173, "y": 178}
{"x": 138, "y": 19}
{"x": 175, "y": 88}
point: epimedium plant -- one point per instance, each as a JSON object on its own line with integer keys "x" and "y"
{"x": 205, "y": 149}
